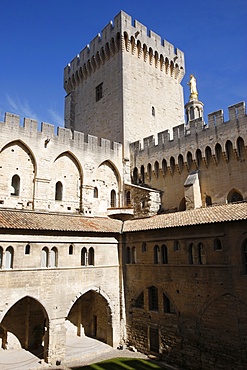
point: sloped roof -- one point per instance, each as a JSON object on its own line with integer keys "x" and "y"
{"x": 31, "y": 220}
{"x": 42, "y": 221}
{"x": 199, "y": 216}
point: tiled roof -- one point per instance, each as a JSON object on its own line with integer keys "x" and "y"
{"x": 30, "y": 220}
{"x": 199, "y": 216}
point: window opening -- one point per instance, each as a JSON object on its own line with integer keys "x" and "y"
{"x": 9, "y": 256}
{"x": 59, "y": 191}
{"x": 84, "y": 256}
{"x": 99, "y": 91}
{"x": 44, "y": 257}
{"x": 95, "y": 192}
{"x": 156, "y": 254}
{"x": 164, "y": 254}
{"x": 71, "y": 249}
{"x": 91, "y": 257}
{"x": 113, "y": 198}
{"x": 27, "y": 249}
{"x": 15, "y": 185}
{"x": 153, "y": 298}
{"x": 53, "y": 256}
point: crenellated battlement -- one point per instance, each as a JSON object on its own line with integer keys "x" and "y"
{"x": 62, "y": 135}
{"x": 122, "y": 34}
{"x": 194, "y": 136}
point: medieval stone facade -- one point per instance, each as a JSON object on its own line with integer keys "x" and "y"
{"x": 129, "y": 224}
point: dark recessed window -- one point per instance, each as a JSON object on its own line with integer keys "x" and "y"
{"x": 99, "y": 91}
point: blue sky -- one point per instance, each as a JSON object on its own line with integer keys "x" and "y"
{"x": 39, "y": 37}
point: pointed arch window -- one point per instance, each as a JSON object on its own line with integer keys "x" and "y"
{"x": 59, "y": 191}
{"x": 156, "y": 254}
{"x": 27, "y": 249}
{"x": 133, "y": 254}
{"x": 54, "y": 257}
{"x": 95, "y": 192}
{"x": 44, "y": 257}
{"x": 71, "y": 249}
{"x": 128, "y": 198}
{"x": 15, "y": 185}
{"x": 164, "y": 254}
{"x": 153, "y": 302}
{"x": 9, "y": 257}
{"x": 84, "y": 256}
{"x": 91, "y": 256}
{"x": 113, "y": 199}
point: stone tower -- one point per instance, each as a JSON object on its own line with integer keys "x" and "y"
{"x": 125, "y": 84}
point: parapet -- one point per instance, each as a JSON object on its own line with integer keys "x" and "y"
{"x": 109, "y": 41}
{"x": 61, "y": 135}
{"x": 198, "y": 131}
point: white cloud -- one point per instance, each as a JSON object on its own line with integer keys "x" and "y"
{"x": 22, "y": 109}
{"x": 56, "y": 118}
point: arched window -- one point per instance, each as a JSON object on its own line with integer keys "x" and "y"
{"x": 208, "y": 200}
{"x": 180, "y": 162}
{"x": 135, "y": 176}
{"x": 144, "y": 247}
{"x": 113, "y": 199}
{"x": 164, "y": 255}
{"x": 164, "y": 166}
{"x": 153, "y": 111}
{"x": 176, "y": 245}
{"x": 84, "y": 256}
{"x": 201, "y": 254}
{"x": 149, "y": 171}
{"x": 229, "y": 150}
{"x": 156, "y": 254}
{"x": 153, "y": 302}
{"x": 53, "y": 257}
{"x": 189, "y": 160}
{"x": 172, "y": 165}
{"x": 244, "y": 251}
{"x": 198, "y": 157}
{"x": 71, "y": 249}
{"x": 91, "y": 256}
{"x": 133, "y": 254}
{"x": 191, "y": 254}
{"x": 208, "y": 154}
{"x": 128, "y": 255}
{"x": 128, "y": 199}
{"x": 142, "y": 174}
{"x": 168, "y": 307}
{"x": 95, "y": 192}
{"x": 27, "y": 249}
{"x": 217, "y": 245}
{"x": 1, "y": 257}
{"x": 59, "y": 191}
{"x": 218, "y": 152}
{"x": 44, "y": 257}
{"x": 241, "y": 148}
{"x": 156, "y": 168}
{"x": 9, "y": 257}
{"x": 15, "y": 185}
{"x": 139, "y": 301}
{"x": 234, "y": 196}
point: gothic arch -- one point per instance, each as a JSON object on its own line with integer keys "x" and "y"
{"x": 29, "y": 310}
{"x": 234, "y": 196}
{"x": 23, "y": 146}
{"x": 92, "y": 311}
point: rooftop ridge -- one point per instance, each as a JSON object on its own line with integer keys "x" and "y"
{"x": 63, "y": 135}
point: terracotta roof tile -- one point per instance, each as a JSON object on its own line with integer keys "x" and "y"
{"x": 199, "y": 216}
{"x": 30, "y": 220}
